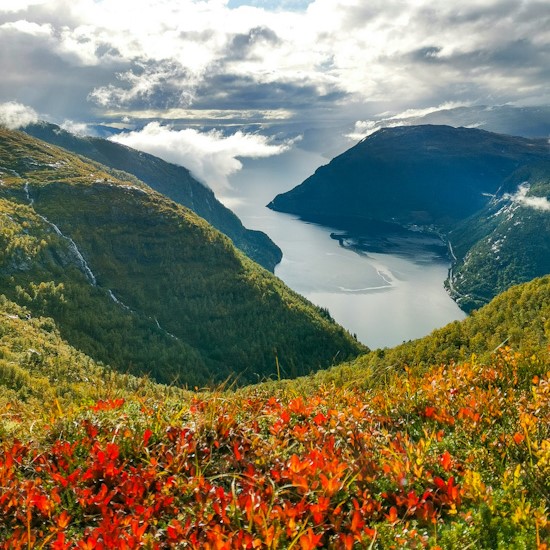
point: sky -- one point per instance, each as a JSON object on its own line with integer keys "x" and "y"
{"x": 233, "y": 79}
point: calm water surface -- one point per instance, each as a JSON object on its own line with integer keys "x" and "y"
{"x": 383, "y": 298}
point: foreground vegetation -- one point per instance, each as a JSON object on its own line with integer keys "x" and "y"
{"x": 451, "y": 455}
{"x": 457, "y": 458}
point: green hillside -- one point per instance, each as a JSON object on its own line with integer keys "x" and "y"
{"x": 142, "y": 284}
{"x": 41, "y": 376}
{"x": 447, "y": 453}
{"x": 506, "y": 243}
{"x": 171, "y": 180}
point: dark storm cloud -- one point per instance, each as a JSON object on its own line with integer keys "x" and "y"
{"x": 242, "y": 45}
{"x": 228, "y": 91}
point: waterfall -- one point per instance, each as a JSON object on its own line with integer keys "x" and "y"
{"x": 83, "y": 263}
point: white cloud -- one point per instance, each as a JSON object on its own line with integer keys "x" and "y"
{"x": 14, "y": 115}
{"x": 416, "y": 113}
{"x": 162, "y": 84}
{"x": 401, "y": 55}
{"x": 210, "y": 156}
{"x": 19, "y": 5}
{"x": 27, "y": 27}
{"x": 77, "y": 128}
{"x": 520, "y": 197}
{"x": 364, "y": 128}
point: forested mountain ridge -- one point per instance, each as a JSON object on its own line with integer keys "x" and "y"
{"x": 412, "y": 174}
{"x": 518, "y": 318}
{"x": 140, "y": 283}
{"x": 171, "y": 180}
{"x": 40, "y": 371}
{"x": 466, "y": 184}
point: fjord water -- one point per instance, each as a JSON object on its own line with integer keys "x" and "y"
{"x": 383, "y": 298}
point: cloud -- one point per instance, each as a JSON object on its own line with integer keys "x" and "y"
{"x": 161, "y": 85}
{"x": 520, "y": 197}
{"x": 14, "y": 115}
{"x": 313, "y": 58}
{"x": 26, "y": 27}
{"x": 364, "y": 128}
{"x": 77, "y": 128}
{"x": 19, "y": 5}
{"x": 211, "y": 156}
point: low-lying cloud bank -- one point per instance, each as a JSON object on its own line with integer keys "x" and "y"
{"x": 537, "y": 203}
{"x": 15, "y": 115}
{"x": 211, "y": 156}
{"x": 364, "y": 128}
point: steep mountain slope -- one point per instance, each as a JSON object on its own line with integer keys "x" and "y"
{"x": 505, "y": 243}
{"x": 136, "y": 281}
{"x": 488, "y": 194}
{"x": 41, "y": 374}
{"x": 518, "y": 318}
{"x": 169, "y": 179}
{"x": 417, "y": 174}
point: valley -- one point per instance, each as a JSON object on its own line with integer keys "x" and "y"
{"x": 158, "y": 388}
{"x": 144, "y": 285}
{"x": 385, "y": 295}
{"x": 464, "y": 184}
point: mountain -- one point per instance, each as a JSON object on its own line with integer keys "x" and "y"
{"x": 505, "y": 243}
{"x": 142, "y": 284}
{"x": 486, "y": 193}
{"x": 526, "y": 121}
{"x": 415, "y": 174}
{"x": 169, "y": 179}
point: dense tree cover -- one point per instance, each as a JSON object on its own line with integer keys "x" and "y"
{"x": 140, "y": 283}
{"x": 519, "y": 317}
{"x": 171, "y": 180}
{"x": 42, "y": 376}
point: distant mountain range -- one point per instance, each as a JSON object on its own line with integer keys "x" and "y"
{"x": 171, "y": 180}
{"x": 142, "y": 284}
{"x": 532, "y": 121}
{"x": 465, "y": 184}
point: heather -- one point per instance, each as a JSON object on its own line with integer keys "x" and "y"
{"x": 456, "y": 457}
